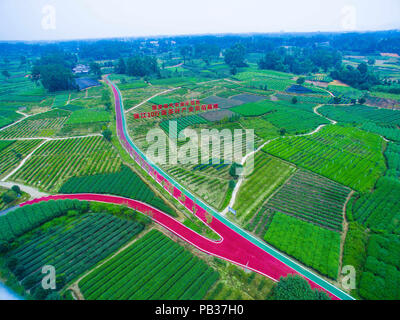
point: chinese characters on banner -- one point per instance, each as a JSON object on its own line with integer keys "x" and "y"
{"x": 175, "y": 108}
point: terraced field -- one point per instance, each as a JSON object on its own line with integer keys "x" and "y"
{"x": 152, "y": 268}
{"x": 262, "y": 127}
{"x": 58, "y": 160}
{"x": 85, "y": 116}
{"x": 316, "y": 247}
{"x": 40, "y": 125}
{"x": 311, "y": 198}
{"x": 34, "y": 128}
{"x": 267, "y": 175}
{"x": 60, "y": 100}
{"x": 12, "y": 152}
{"x": 344, "y": 154}
{"x": 73, "y": 247}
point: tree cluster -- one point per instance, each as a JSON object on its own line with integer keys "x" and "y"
{"x": 300, "y": 60}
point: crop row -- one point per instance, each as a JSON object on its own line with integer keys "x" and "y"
{"x": 74, "y": 248}
{"x": 33, "y": 128}
{"x": 312, "y": 198}
{"x": 154, "y": 267}
{"x": 58, "y": 160}
{"x": 316, "y": 247}
{"x": 347, "y": 155}
{"x": 14, "y": 153}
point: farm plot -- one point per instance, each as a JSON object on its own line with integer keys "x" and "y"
{"x": 380, "y": 210}
{"x": 58, "y": 160}
{"x": 8, "y": 115}
{"x": 200, "y": 179}
{"x": 152, "y": 268}
{"x": 262, "y": 128}
{"x": 316, "y": 247}
{"x": 381, "y": 277}
{"x": 392, "y": 155}
{"x": 217, "y": 115}
{"x": 344, "y": 154}
{"x": 287, "y": 117}
{"x": 311, "y": 198}
{"x": 60, "y": 100}
{"x": 246, "y": 98}
{"x": 298, "y": 89}
{"x": 390, "y": 132}
{"x": 361, "y": 114}
{"x": 223, "y": 103}
{"x": 132, "y": 97}
{"x": 254, "y": 109}
{"x": 84, "y": 83}
{"x": 182, "y": 123}
{"x": 15, "y": 223}
{"x": 293, "y": 120}
{"x": 40, "y": 125}
{"x": 72, "y": 247}
{"x": 267, "y": 175}
{"x": 303, "y": 98}
{"x": 264, "y": 82}
{"x": 200, "y": 182}
{"x": 123, "y": 183}
{"x": 12, "y": 152}
{"x": 88, "y": 116}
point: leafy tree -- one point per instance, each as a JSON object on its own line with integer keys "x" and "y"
{"x": 54, "y": 71}
{"x": 107, "y": 134}
{"x": 359, "y": 77}
{"x": 140, "y": 66}
{"x": 295, "y": 287}
{"x": 300, "y": 80}
{"x": 121, "y": 66}
{"x": 234, "y": 56}
{"x": 361, "y": 100}
{"x": 363, "y": 68}
{"x": 95, "y": 69}
{"x": 282, "y": 131}
{"x": 233, "y": 170}
{"x": 4, "y": 246}
{"x": 272, "y": 61}
{"x": 9, "y": 196}
{"x": 6, "y": 74}
{"x": 186, "y": 52}
{"x": 54, "y": 77}
{"x": 106, "y": 99}
{"x": 206, "y": 51}
{"x": 294, "y": 100}
{"x": 16, "y": 189}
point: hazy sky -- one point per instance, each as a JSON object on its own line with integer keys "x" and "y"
{"x": 72, "y": 19}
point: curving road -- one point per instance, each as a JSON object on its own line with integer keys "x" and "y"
{"x": 237, "y": 245}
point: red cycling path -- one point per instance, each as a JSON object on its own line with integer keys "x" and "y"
{"x": 231, "y": 246}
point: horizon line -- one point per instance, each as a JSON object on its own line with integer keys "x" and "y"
{"x": 201, "y": 34}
